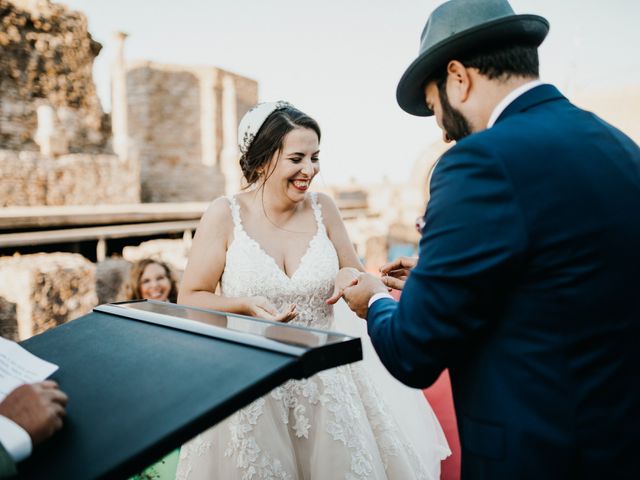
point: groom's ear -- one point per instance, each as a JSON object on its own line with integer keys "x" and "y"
{"x": 458, "y": 84}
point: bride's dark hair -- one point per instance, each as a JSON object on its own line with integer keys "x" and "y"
{"x": 269, "y": 140}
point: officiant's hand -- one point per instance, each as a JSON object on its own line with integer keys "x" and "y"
{"x": 262, "y": 308}
{"x": 394, "y": 274}
{"x": 358, "y": 295}
{"x": 38, "y": 408}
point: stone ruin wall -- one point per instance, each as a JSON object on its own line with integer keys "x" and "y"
{"x": 164, "y": 133}
{"x": 41, "y": 291}
{"x": 46, "y": 58}
{"x": 55, "y": 140}
{"x": 182, "y": 129}
{"x": 246, "y": 91}
{"x": 181, "y": 121}
{"x": 30, "y": 179}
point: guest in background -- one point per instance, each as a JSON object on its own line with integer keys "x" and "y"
{"x": 152, "y": 279}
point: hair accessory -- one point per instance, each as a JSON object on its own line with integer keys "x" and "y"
{"x": 253, "y": 120}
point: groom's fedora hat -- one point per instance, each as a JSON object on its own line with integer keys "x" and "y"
{"x": 459, "y": 26}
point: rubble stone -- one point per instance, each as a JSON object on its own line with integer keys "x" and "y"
{"x": 46, "y": 58}
{"x": 112, "y": 276}
{"x": 172, "y": 252}
{"x": 8, "y": 320}
{"x": 29, "y": 179}
{"x": 47, "y": 289}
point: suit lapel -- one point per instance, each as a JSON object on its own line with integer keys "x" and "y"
{"x": 530, "y": 98}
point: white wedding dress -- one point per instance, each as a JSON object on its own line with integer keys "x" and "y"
{"x": 350, "y": 422}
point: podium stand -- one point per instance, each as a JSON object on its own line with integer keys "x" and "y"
{"x": 145, "y": 377}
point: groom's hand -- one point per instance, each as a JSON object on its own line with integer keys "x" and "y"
{"x": 394, "y": 274}
{"x": 357, "y": 296}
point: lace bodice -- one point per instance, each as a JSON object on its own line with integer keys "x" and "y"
{"x": 250, "y": 271}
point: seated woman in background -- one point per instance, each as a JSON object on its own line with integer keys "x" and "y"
{"x": 152, "y": 279}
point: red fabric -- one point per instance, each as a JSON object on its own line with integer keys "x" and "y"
{"x": 441, "y": 400}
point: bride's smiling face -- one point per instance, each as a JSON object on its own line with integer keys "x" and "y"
{"x": 292, "y": 169}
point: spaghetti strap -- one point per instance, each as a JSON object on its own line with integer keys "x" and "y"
{"x": 235, "y": 211}
{"x": 317, "y": 210}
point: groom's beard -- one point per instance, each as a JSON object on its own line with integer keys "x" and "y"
{"x": 455, "y": 125}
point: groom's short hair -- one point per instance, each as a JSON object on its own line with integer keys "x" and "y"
{"x": 497, "y": 62}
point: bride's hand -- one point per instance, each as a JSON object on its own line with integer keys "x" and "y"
{"x": 346, "y": 277}
{"x": 263, "y": 308}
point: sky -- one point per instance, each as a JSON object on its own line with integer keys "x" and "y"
{"x": 340, "y": 60}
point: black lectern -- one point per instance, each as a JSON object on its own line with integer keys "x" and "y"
{"x": 145, "y": 377}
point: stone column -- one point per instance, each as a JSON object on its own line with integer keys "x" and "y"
{"x": 49, "y": 136}
{"x": 119, "y": 112}
{"x": 230, "y": 152}
{"x": 207, "y": 116}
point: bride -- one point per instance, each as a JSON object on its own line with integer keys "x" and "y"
{"x": 277, "y": 251}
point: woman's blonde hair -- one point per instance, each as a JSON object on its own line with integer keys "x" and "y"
{"x": 136, "y": 273}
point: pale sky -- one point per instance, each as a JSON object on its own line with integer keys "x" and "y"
{"x": 340, "y": 60}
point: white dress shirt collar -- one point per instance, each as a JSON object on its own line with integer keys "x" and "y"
{"x": 506, "y": 101}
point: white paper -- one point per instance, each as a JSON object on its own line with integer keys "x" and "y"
{"x": 18, "y": 366}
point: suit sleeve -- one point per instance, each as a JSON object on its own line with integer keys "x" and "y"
{"x": 473, "y": 242}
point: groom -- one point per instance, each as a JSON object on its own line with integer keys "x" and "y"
{"x": 527, "y": 284}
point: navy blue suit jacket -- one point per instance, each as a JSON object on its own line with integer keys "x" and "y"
{"x": 527, "y": 288}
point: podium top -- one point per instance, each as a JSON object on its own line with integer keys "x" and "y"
{"x": 278, "y": 337}
{"x": 145, "y": 377}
